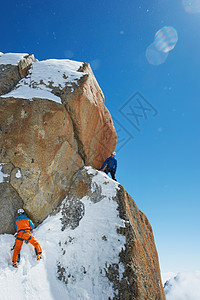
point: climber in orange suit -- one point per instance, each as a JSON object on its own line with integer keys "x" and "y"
{"x": 24, "y": 226}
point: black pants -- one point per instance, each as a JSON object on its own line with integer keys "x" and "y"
{"x": 112, "y": 172}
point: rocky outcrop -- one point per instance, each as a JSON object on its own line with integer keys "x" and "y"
{"x": 139, "y": 278}
{"x": 13, "y": 67}
{"x": 52, "y": 121}
{"x": 25, "y": 63}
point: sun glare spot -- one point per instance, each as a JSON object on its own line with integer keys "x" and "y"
{"x": 154, "y": 56}
{"x": 166, "y": 39}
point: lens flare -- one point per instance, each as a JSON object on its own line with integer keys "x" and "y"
{"x": 191, "y": 6}
{"x": 166, "y": 39}
{"x": 154, "y": 56}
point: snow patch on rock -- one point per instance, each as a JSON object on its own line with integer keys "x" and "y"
{"x": 44, "y": 76}
{"x": 27, "y": 92}
{"x": 18, "y": 174}
{"x": 11, "y": 58}
{"x": 109, "y": 187}
{"x": 2, "y": 175}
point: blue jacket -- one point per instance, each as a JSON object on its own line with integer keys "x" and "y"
{"x": 23, "y": 217}
{"x": 111, "y": 162}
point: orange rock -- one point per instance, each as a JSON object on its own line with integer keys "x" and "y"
{"x": 49, "y": 141}
{"x": 38, "y": 138}
{"x": 92, "y": 122}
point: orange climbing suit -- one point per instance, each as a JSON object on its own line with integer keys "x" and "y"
{"x": 24, "y": 234}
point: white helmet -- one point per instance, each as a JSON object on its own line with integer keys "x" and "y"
{"x": 20, "y": 211}
{"x": 114, "y": 153}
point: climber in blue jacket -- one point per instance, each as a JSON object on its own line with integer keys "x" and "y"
{"x": 110, "y": 165}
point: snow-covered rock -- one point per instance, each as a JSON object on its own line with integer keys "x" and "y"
{"x": 53, "y": 121}
{"x": 46, "y": 75}
{"x": 140, "y": 277}
{"x": 97, "y": 245}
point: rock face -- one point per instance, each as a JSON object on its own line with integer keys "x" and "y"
{"x": 42, "y": 146}
{"x": 10, "y": 201}
{"x": 91, "y": 119}
{"x": 13, "y": 67}
{"x": 136, "y": 273}
{"x": 52, "y": 121}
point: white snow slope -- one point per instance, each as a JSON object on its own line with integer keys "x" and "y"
{"x": 42, "y": 74}
{"x": 83, "y": 254}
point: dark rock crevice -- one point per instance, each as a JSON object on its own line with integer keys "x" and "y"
{"x": 10, "y": 203}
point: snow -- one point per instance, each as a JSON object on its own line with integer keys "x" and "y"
{"x": 2, "y": 175}
{"x": 44, "y": 75}
{"x": 27, "y": 92}
{"x": 84, "y": 254}
{"x": 54, "y": 69}
{"x": 104, "y": 181}
{"x": 18, "y": 174}
{"x": 11, "y": 58}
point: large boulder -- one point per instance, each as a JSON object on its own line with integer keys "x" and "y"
{"x": 37, "y": 138}
{"x": 52, "y": 121}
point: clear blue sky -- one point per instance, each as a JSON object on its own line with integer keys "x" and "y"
{"x": 160, "y": 166}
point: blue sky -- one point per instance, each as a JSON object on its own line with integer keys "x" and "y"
{"x": 160, "y": 165}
